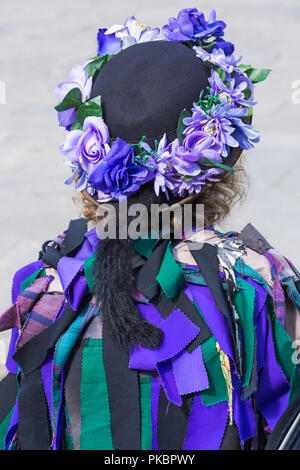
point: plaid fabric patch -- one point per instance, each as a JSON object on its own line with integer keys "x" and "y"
{"x": 15, "y": 316}
{"x": 41, "y": 317}
{"x": 278, "y": 292}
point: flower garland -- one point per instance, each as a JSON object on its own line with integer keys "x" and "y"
{"x": 113, "y": 169}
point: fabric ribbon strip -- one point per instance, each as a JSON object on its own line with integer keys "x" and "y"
{"x": 208, "y": 263}
{"x": 172, "y": 422}
{"x": 41, "y": 317}
{"x": 123, "y": 394}
{"x": 30, "y": 358}
{"x": 162, "y": 270}
{"x": 72, "y": 241}
{"x": 8, "y": 394}
{"x": 34, "y": 421}
{"x": 14, "y": 317}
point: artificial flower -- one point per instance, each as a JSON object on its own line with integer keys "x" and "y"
{"x": 191, "y": 25}
{"x": 78, "y": 78}
{"x": 233, "y": 94}
{"x": 159, "y": 163}
{"x": 132, "y": 32}
{"x": 118, "y": 174}
{"x": 215, "y": 124}
{"x": 87, "y": 146}
{"x": 219, "y": 58}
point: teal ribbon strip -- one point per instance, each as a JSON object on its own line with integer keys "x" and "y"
{"x": 170, "y": 276}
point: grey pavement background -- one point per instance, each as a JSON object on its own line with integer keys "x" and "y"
{"x": 41, "y": 41}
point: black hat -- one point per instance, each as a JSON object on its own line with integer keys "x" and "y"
{"x": 145, "y": 87}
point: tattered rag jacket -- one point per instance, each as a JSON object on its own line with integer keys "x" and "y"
{"x": 221, "y": 378}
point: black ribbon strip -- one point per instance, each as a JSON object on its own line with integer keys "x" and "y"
{"x": 254, "y": 240}
{"x": 172, "y": 421}
{"x": 208, "y": 263}
{"x": 51, "y": 256}
{"x": 231, "y": 438}
{"x": 252, "y": 387}
{"x": 123, "y": 394}
{"x": 72, "y": 242}
{"x": 34, "y": 422}
{"x": 8, "y": 394}
{"x": 146, "y": 282}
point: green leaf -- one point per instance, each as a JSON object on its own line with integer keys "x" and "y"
{"x": 250, "y": 113}
{"x": 181, "y": 126}
{"x": 258, "y": 75}
{"x": 247, "y": 93}
{"x": 96, "y": 64}
{"x": 245, "y": 67}
{"x": 73, "y": 99}
{"x": 187, "y": 178}
{"x": 208, "y": 162}
{"x": 209, "y": 46}
{"x": 76, "y": 126}
{"x": 89, "y": 108}
{"x": 221, "y": 73}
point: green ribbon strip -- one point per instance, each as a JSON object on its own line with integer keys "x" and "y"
{"x": 95, "y": 413}
{"x": 88, "y": 271}
{"x": 145, "y": 246}
{"x": 244, "y": 303}
{"x": 30, "y": 279}
{"x": 145, "y": 404}
{"x": 217, "y": 391}
{"x": 170, "y": 276}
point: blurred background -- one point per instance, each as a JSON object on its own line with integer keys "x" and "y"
{"x": 41, "y": 41}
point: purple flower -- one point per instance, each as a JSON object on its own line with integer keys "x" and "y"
{"x": 219, "y": 58}
{"x": 244, "y": 133}
{"x": 190, "y": 24}
{"x": 233, "y": 94}
{"x": 215, "y": 124}
{"x": 159, "y": 163}
{"x": 227, "y": 47}
{"x": 118, "y": 175}
{"x": 89, "y": 146}
{"x": 77, "y": 78}
{"x": 196, "y": 145}
{"x": 108, "y": 43}
{"x": 188, "y": 186}
{"x": 183, "y": 161}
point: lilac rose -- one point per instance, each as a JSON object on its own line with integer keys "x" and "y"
{"x": 118, "y": 174}
{"x": 88, "y": 146}
{"x": 78, "y": 78}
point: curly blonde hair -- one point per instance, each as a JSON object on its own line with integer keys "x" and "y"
{"x": 218, "y": 198}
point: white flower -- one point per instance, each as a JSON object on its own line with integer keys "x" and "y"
{"x": 133, "y": 32}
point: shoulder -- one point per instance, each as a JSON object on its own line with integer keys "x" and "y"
{"x": 255, "y": 251}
